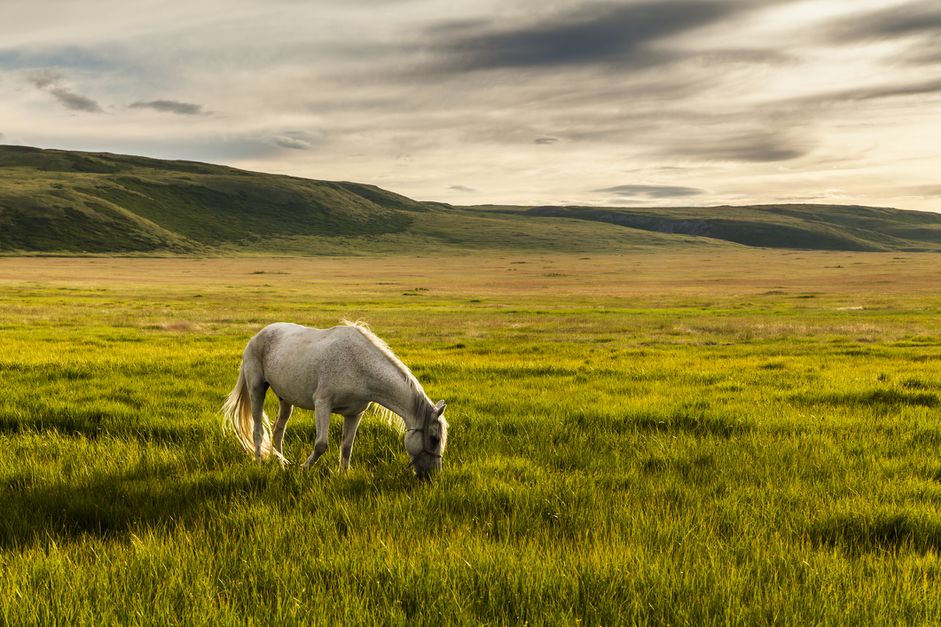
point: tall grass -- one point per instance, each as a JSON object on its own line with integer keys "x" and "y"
{"x": 731, "y": 455}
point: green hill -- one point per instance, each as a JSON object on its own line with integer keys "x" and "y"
{"x": 813, "y": 227}
{"x": 53, "y": 200}
{"x": 56, "y": 201}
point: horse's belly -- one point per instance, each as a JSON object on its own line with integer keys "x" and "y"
{"x": 300, "y": 396}
{"x": 296, "y": 385}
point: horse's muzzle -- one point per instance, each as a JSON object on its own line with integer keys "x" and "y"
{"x": 426, "y": 466}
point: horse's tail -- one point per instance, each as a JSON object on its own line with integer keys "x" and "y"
{"x": 237, "y": 417}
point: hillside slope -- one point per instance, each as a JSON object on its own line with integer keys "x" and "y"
{"x": 52, "y": 200}
{"x": 810, "y": 227}
{"x": 56, "y": 201}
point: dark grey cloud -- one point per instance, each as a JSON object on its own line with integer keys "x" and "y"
{"x": 76, "y": 102}
{"x": 611, "y": 33}
{"x": 462, "y": 188}
{"x": 545, "y": 140}
{"x": 922, "y": 17}
{"x": 754, "y": 147}
{"x": 50, "y": 80}
{"x": 170, "y": 106}
{"x": 651, "y": 191}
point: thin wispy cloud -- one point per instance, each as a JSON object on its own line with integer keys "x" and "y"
{"x": 650, "y": 191}
{"x": 297, "y": 140}
{"x": 875, "y": 92}
{"x": 293, "y": 143}
{"x": 921, "y": 18}
{"x": 169, "y": 106}
{"x": 756, "y": 147}
{"x": 46, "y": 78}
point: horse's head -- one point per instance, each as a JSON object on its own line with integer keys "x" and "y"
{"x": 426, "y": 442}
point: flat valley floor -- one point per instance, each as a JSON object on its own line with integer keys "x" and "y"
{"x": 687, "y": 438}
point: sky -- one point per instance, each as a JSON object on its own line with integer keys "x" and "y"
{"x": 533, "y": 102}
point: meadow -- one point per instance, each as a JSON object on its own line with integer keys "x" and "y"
{"x": 660, "y": 437}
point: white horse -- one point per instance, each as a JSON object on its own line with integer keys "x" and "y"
{"x": 338, "y": 370}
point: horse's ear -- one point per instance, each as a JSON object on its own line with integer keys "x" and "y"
{"x": 439, "y": 408}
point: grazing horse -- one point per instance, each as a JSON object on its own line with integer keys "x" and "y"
{"x": 338, "y": 370}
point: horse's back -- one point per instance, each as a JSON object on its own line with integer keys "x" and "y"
{"x": 278, "y": 336}
{"x": 296, "y": 360}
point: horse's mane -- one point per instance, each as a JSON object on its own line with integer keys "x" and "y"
{"x": 393, "y": 419}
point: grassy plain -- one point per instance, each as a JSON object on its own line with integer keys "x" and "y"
{"x": 737, "y": 437}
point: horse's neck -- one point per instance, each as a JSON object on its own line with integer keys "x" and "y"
{"x": 394, "y": 392}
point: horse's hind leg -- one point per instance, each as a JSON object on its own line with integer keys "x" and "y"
{"x": 350, "y": 424}
{"x": 257, "y": 390}
{"x": 284, "y": 413}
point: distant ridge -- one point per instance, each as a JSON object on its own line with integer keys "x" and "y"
{"x": 69, "y": 202}
{"x": 810, "y": 227}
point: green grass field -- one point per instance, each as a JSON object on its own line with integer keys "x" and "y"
{"x": 738, "y": 437}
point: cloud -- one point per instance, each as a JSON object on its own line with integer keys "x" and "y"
{"x": 548, "y": 101}
{"x": 917, "y": 23}
{"x": 875, "y": 92}
{"x": 76, "y": 102}
{"x": 296, "y": 140}
{"x": 925, "y": 191}
{"x": 52, "y": 55}
{"x": 170, "y": 106}
{"x": 755, "y": 147}
{"x": 51, "y": 80}
{"x": 618, "y": 34}
{"x": 292, "y": 143}
{"x": 922, "y": 17}
{"x": 650, "y": 191}
{"x": 755, "y": 56}
{"x": 46, "y": 78}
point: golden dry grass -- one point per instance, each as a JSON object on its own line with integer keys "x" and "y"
{"x": 735, "y": 273}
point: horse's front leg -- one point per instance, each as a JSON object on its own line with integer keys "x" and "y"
{"x": 350, "y": 425}
{"x": 322, "y": 410}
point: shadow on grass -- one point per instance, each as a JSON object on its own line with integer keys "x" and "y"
{"x": 692, "y": 419}
{"x": 881, "y": 400}
{"x": 699, "y": 469}
{"x": 857, "y": 533}
{"x": 693, "y": 423}
{"x": 92, "y": 423}
{"x": 110, "y": 506}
